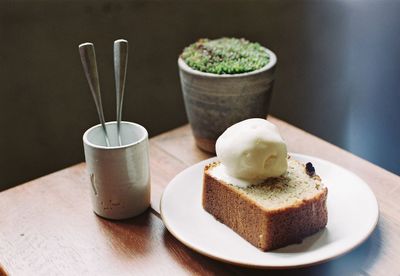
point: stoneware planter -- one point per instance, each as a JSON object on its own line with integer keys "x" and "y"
{"x": 215, "y": 102}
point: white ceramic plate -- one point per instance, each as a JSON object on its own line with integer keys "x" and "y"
{"x": 352, "y": 216}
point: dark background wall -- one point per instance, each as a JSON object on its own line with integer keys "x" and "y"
{"x": 338, "y": 71}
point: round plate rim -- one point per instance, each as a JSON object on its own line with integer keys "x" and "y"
{"x": 242, "y": 264}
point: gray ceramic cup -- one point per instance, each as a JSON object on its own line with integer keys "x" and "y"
{"x": 215, "y": 102}
{"x": 119, "y": 175}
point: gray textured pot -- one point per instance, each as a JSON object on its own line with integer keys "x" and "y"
{"x": 215, "y": 102}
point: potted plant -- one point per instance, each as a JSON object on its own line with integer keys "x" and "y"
{"x": 224, "y": 81}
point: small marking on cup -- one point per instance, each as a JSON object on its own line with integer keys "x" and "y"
{"x": 92, "y": 180}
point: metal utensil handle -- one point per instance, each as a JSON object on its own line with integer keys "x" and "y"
{"x": 88, "y": 58}
{"x": 120, "y": 65}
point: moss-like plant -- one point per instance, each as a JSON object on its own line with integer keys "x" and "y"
{"x": 225, "y": 56}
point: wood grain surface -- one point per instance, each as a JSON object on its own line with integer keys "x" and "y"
{"x": 47, "y": 226}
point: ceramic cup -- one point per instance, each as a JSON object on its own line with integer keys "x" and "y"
{"x": 215, "y": 102}
{"x": 119, "y": 175}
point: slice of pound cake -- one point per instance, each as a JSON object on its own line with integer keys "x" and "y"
{"x": 271, "y": 213}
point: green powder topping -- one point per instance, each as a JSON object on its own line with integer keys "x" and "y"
{"x": 225, "y": 56}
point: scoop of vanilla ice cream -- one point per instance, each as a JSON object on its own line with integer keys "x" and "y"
{"x": 252, "y": 149}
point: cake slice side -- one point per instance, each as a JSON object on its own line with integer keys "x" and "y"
{"x": 251, "y": 217}
{"x": 235, "y": 210}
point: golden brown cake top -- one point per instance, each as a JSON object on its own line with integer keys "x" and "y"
{"x": 285, "y": 191}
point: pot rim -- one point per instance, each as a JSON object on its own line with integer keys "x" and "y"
{"x": 272, "y": 62}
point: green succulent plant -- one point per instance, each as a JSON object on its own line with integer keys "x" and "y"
{"x": 225, "y": 56}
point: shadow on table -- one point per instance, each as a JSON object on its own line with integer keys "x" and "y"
{"x": 361, "y": 258}
{"x": 130, "y": 236}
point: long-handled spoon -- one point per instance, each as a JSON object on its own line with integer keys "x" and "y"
{"x": 88, "y": 58}
{"x": 120, "y": 64}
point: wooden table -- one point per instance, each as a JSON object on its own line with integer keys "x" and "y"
{"x": 47, "y": 226}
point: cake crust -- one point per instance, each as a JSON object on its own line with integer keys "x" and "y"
{"x": 263, "y": 227}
